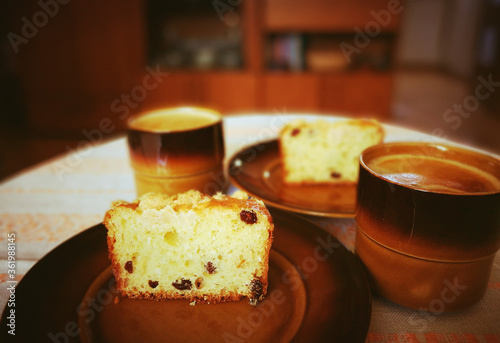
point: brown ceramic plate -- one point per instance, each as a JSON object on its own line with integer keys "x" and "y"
{"x": 257, "y": 170}
{"x": 317, "y": 292}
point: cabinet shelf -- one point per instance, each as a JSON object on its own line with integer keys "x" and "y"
{"x": 330, "y": 16}
{"x": 332, "y": 52}
{"x": 190, "y": 35}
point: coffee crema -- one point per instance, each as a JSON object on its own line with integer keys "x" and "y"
{"x": 181, "y": 119}
{"x": 434, "y": 174}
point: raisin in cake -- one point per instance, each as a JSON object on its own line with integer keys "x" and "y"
{"x": 190, "y": 246}
{"x": 321, "y": 152}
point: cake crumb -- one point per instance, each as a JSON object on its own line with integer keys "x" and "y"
{"x": 193, "y": 303}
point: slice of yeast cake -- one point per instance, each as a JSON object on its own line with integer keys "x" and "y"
{"x": 321, "y": 152}
{"x": 190, "y": 246}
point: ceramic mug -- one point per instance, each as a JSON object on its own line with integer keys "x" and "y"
{"x": 174, "y": 150}
{"x": 428, "y": 223}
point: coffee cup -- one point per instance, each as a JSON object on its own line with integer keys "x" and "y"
{"x": 428, "y": 223}
{"x": 173, "y": 150}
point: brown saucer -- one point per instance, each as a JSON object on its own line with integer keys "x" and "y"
{"x": 276, "y": 319}
{"x": 317, "y": 292}
{"x": 257, "y": 171}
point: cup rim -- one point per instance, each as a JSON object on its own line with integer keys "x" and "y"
{"x": 176, "y": 109}
{"x": 439, "y": 146}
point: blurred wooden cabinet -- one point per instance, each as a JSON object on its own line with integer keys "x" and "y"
{"x": 229, "y": 92}
{"x": 328, "y": 15}
{"x": 362, "y": 93}
{"x": 256, "y": 86}
{"x": 291, "y": 92}
{"x": 92, "y": 55}
{"x": 224, "y": 91}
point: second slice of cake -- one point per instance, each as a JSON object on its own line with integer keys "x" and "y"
{"x": 321, "y": 152}
{"x": 190, "y": 246}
